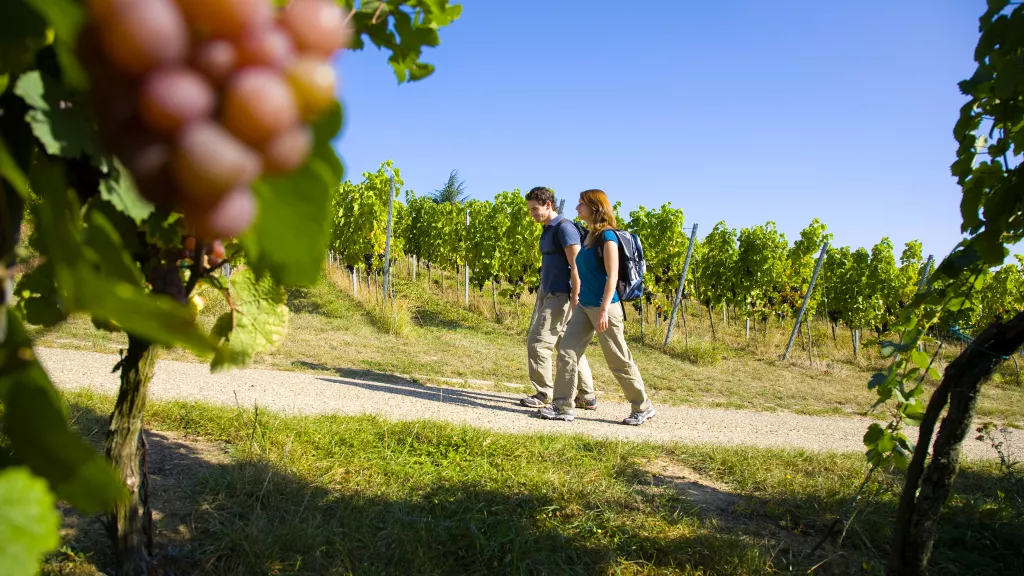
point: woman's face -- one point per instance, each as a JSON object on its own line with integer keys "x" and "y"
{"x": 585, "y": 212}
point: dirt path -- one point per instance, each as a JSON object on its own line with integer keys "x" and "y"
{"x": 400, "y": 399}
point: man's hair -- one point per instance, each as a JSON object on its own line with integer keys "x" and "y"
{"x": 541, "y": 195}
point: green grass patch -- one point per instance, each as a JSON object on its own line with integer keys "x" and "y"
{"x": 333, "y": 494}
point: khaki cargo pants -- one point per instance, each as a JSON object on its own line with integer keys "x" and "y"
{"x": 553, "y": 312}
{"x": 578, "y": 334}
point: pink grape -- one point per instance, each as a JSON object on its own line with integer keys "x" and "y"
{"x": 267, "y": 46}
{"x": 318, "y": 26}
{"x": 216, "y": 59}
{"x": 313, "y": 81}
{"x": 139, "y": 35}
{"x": 209, "y": 161}
{"x": 230, "y": 216}
{"x": 288, "y": 150}
{"x": 226, "y": 18}
{"x": 258, "y": 104}
{"x": 172, "y": 97}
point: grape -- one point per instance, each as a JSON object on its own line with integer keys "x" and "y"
{"x": 258, "y": 103}
{"x": 172, "y": 97}
{"x": 268, "y": 46}
{"x": 209, "y": 161}
{"x": 229, "y": 217}
{"x": 217, "y": 253}
{"x": 318, "y": 26}
{"x": 313, "y": 81}
{"x": 288, "y": 150}
{"x": 226, "y": 18}
{"x": 139, "y": 35}
{"x": 216, "y": 59}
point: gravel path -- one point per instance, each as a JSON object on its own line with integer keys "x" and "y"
{"x": 399, "y": 399}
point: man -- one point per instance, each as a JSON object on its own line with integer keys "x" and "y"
{"x": 557, "y": 297}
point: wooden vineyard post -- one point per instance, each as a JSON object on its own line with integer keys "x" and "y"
{"x": 387, "y": 240}
{"x": 679, "y": 291}
{"x": 466, "y": 263}
{"x": 807, "y": 298}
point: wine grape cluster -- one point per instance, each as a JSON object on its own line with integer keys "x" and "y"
{"x": 198, "y": 98}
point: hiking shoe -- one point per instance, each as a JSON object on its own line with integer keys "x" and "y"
{"x": 533, "y": 402}
{"x": 638, "y": 418}
{"x": 584, "y": 404}
{"x": 552, "y": 413}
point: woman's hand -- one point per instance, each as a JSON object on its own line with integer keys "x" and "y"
{"x": 602, "y": 320}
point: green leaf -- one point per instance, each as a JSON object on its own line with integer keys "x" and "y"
{"x": 120, "y": 190}
{"x": 61, "y": 122}
{"x": 67, "y": 18}
{"x": 22, "y": 34}
{"x": 37, "y": 297}
{"x": 101, "y": 236}
{"x": 901, "y": 458}
{"x": 12, "y": 173}
{"x": 37, "y": 427}
{"x": 913, "y": 412}
{"x": 258, "y": 321}
{"x": 888, "y": 348}
{"x": 934, "y": 373}
{"x": 165, "y": 229}
{"x": 886, "y": 443}
{"x": 29, "y": 521}
{"x": 325, "y": 129}
{"x": 873, "y": 435}
{"x": 292, "y": 229}
{"x": 920, "y": 359}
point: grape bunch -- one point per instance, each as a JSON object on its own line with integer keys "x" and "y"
{"x": 198, "y": 98}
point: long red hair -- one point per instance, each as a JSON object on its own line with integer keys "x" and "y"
{"x": 604, "y": 216}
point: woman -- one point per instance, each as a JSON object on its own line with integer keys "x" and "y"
{"x": 598, "y": 310}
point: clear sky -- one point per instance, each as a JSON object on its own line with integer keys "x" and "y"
{"x": 742, "y": 110}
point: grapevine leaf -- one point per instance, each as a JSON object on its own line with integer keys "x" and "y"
{"x": 913, "y": 412}
{"x": 165, "y": 229}
{"x": 886, "y": 443}
{"x": 934, "y": 373}
{"x": 60, "y": 121}
{"x": 101, "y": 236}
{"x": 326, "y": 129}
{"x": 11, "y": 172}
{"x": 920, "y": 359}
{"x": 873, "y": 435}
{"x": 67, "y": 18}
{"x": 29, "y": 521}
{"x": 888, "y": 348}
{"x": 37, "y": 427}
{"x": 900, "y": 457}
{"x": 290, "y": 236}
{"x": 37, "y": 296}
{"x": 22, "y": 34}
{"x": 120, "y": 190}
{"x": 257, "y": 322}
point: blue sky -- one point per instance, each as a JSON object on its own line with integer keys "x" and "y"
{"x": 744, "y": 111}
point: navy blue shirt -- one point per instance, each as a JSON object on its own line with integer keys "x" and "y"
{"x": 592, "y": 274}
{"x": 555, "y": 275}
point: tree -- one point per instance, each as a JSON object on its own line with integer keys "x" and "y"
{"x": 453, "y": 191}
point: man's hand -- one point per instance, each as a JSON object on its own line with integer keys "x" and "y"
{"x": 574, "y": 299}
{"x": 602, "y": 320}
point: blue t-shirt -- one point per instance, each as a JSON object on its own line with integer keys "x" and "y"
{"x": 555, "y": 277}
{"x": 592, "y": 273}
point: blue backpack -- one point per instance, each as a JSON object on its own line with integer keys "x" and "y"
{"x": 632, "y": 263}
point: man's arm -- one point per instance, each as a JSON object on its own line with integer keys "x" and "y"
{"x": 574, "y": 275}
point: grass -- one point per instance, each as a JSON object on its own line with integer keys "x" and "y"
{"x": 331, "y": 329}
{"x": 258, "y": 493}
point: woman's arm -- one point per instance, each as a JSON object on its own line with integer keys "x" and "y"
{"x": 611, "y": 267}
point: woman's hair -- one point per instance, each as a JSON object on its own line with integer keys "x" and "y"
{"x": 604, "y": 217}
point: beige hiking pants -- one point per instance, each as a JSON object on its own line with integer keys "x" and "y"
{"x": 578, "y": 334}
{"x": 553, "y": 312}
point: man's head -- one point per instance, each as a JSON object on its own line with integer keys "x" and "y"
{"x": 541, "y": 201}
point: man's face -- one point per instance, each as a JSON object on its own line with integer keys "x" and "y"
{"x": 539, "y": 212}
